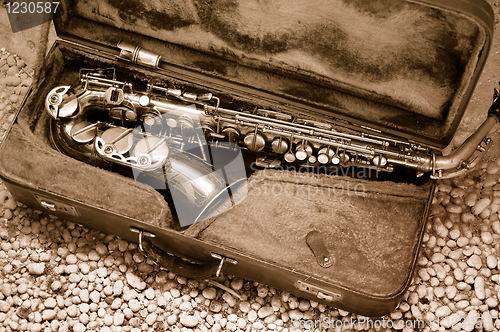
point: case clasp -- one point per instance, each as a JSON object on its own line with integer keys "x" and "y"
{"x": 53, "y": 205}
{"x": 138, "y": 55}
{"x": 320, "y": 293}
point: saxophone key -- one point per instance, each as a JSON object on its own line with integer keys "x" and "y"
{"x": 84, "y": 132}
{"x": 379, "y": 161}
{"x": 119, "y": 137}
{"x": 232, "y": 134}
{"x": 279, "y": 145}
{"x": 255, "y": 142}
{"x": 290, "y": 157}
{"x": 155, "y": 148}
{"x": 325, "y": 155}
{"x": 303, "y": 151}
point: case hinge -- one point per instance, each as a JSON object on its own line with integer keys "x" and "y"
{"x": 138, "y": 55}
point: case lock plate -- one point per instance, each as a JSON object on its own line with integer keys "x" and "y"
{"x": 320, "y": 293}
{"x": 53, "y": 205}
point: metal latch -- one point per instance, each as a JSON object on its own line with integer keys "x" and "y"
{"x": 222, "y": 259}
{"x": 141, "y": 234}
{"x": 55, "y": 206}
{"x": 138, "y": 55}
{"x": 320, "y": 293}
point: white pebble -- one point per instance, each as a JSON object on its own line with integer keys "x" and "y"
{"x": 209, "y": 293}
{"x": 443, "y": 311}
{"x": 229, "y": 299}
{"x": 149, "y": 293}
{"x": 480, "y": 205}
{"x": 437, "y": 257}
{"x": 151, "y": 318}
{"x": 118, "y": 319}
{"x": 134, "y": 305}
{"x": 491, "y": 262}
{"x": 79, "y": 327}
{"x": 479, "y": 288}
{"x": 486, "y": 237}
{"x": 36, "y": 268}
{"x": 474, "y": 261}
{"x": 188, "y": 320}
{"x": 135, "y": 282}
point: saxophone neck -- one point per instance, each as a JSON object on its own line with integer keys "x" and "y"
{"x": 470, "y": 152}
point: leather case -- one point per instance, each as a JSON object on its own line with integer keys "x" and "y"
{"x": 404, "y": 68}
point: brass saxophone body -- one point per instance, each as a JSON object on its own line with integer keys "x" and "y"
{"x": 164, "y": 135}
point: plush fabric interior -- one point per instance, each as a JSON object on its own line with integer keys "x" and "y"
{"x": 378, "y": 61}
{"x": 28, "y": 158}
{"x": 371, "y": 229}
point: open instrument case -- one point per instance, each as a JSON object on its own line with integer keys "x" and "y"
{"x": 384, "y": 83}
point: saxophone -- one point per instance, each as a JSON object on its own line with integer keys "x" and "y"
{"x": 167, "y": 136}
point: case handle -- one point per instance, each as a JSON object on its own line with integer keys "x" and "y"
{"x": 177, "y": 265}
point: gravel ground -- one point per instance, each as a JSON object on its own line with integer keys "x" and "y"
{"x": 60, "y": 276}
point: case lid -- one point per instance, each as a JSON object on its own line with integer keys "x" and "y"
{"x": 406, "y": 68}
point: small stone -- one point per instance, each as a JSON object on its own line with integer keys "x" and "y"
{"x": 275, "y": 303}
{"x": 118, "y": 319}
{"x": 172, "y": 319}
{"x": 209, "y": 293}
{"x": 84, "y": 295}
{"x": 265, "y": 311}
{"x": 95, "y": 296}
{"x": 245, "y": 306}
{"x": 149, "y": 293}
{"x": 93, "y": 256}
{"x": 474, "y": 261}
{"x": 79, "y": 327}
{"x": 304, "y": 305}
{"x": 36, "y": 268}
{"x": 151, "y": 318}
{"x": 451, "y": 292}
{"x": 134, "y": 305}
{"x": 215, "y": 306}
{"x": 135, "y": 282}
{"x": 50, "y": 303}
{"x": 4, "y": 306}
{"x": 262, "y": 291}
{"x": 491, "y": 262}
{"x": 462, "y": 241}
{"x": 443, "y": 311}
{"x": 252, "y": 315}
{"x": 438, "y": 258}
{"x": 56, "y": 285}
{"x": 486, "y": 237}
{"x": 480, "y": 205}
{"x": 237, "y": 283}
{"x": 188, "y": 320}
{"x": 71, "y": 259}
{"x": 479, "y": 288}
{"x": 11, "y": 60}
{"x": 48, "y": 314}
